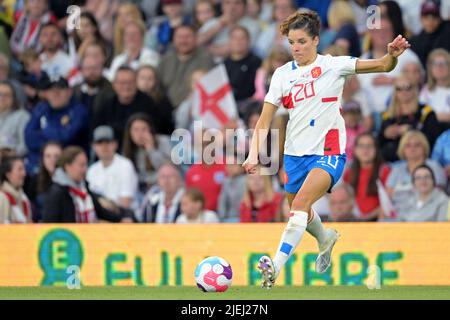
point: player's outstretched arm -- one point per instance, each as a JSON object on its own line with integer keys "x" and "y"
{"x": 388, "y": 62}
{"x": 259, "y": 136}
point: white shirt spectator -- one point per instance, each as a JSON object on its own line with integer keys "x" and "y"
{"x": 146, "y": 57}
{"x": 378, "y": 96}
{"x": 61, "y": 65}
{"x": 265, "y": 41}
{"x": 206, "y": 216}
{"x": 118, "y": 180}
{"x": 223, "y": 36}
{"x": 438, "y": 99}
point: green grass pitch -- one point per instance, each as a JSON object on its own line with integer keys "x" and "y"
{"x": 234, "y": 293}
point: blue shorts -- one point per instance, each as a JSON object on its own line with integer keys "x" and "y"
{"x": 297, "y": 168}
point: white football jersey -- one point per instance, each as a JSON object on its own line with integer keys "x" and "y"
{"x": 312, "y": 94}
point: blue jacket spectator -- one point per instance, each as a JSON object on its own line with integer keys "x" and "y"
{"x": 441, "y": 153}
{"x": 59, "y": 118}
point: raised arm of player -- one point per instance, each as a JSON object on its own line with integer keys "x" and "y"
{"x": 259, "y": 136}
{"x": 388, "y": 62}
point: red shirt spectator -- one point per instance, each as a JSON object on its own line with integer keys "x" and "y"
{"x": 365, "y": 169}
{"x": 367, "y": 203}
{"x": 267, "y": 212}
{"x": 261, "y": 203}
{"x": 208, "y": 179}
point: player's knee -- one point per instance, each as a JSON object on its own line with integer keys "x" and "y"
{"x": 302, "y": 202}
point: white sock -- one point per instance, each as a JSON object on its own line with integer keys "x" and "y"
{"x": 291, "y": 237}
{"x": 316, "y": 229}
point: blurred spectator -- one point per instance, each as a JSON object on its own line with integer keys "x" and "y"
{"x": 31, "y": 77}
{"x": 4, "y": 76}
{"x": 413, "y": 70}
{"x": 261, "y": 203}
{"x": 392, "y": 11}
{"x": 179, "y": 64}
{"x": 321, "y": 7}
{"x": 5, "y": 32}
{"x": 7, "y": 18}
{"x": 342, "y": 204}
{"x": 204, "y": 11}
{"x": 94, "y": 84}
{"x": 69, "y": 199}
{"x": 215, "y": 33}
{"x": 7, "y": 148}
{"x": 351, "y": 112}
{"x": 160, "y": 36}
{"x": 207, "y": 175}
{"x": 14, "y": 204}
{"x": 112, "y": 176}
{"x": 285, "y": 210}
{"x": 59, "y": 118}
{"x": 184, "y": 114}
{"x": 37, "y": 186}
{"x": 434, "y": 32}
{"x": 414, "y": 150}
{"x": 276, "y": 58}
{"x": 114, "y": 110}
{"x": 241, "y": 65}
{"x": 163, "y": 206}
{"x": 411, "y": 15}
{"x": 146, "y": 149}
{"x": 428, "y": 203}
{"x": 126, "y": 12}
{"x": 353, "y": 92}
{"x": 104, "y": 11}
{"x": 134, "y": 54}
{"x": 149, "y": 83}
{"x": 441, "y": 154}
{"x": 86, "y": 34}
{"x": 12, "y": 119}
{"x": 366, "y": 168}
{"x": 193, "y": 209}
{"x": 341, "y": 21}
{"x": 28, "y": 25}
{"x": 359, "y": 8}
{"x": 270, "y": 38}
{"x": 55, "y": 62}
{"x": 436, "y": 93}
{"x": 406, "y": 113}
{"x": 253, "y": 9}
{"x": 232, "y": 191}
{"x": 98, "y": 52}
{"x": 378, "y": 86}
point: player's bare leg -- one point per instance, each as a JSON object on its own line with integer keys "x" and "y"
{"x": 315, "y": 186}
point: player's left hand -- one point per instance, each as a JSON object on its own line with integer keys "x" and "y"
{"x": 398, "y": 46}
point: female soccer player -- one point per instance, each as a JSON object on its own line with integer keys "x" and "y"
{"x": 310, "y": 87}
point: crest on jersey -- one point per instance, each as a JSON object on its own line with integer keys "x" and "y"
{"x": 316, "y": 72}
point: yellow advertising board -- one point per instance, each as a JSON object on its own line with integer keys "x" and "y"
{"x": 156, "y": 255}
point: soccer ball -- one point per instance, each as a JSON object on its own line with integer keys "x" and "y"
{"x": 213, "y": 274}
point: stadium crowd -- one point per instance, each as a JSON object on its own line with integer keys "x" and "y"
{"x": 87, "y": 113}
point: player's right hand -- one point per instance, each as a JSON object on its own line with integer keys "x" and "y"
{"x": 250, "y": 166}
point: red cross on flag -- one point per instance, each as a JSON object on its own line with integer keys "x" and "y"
{"x": 213, "y": 101}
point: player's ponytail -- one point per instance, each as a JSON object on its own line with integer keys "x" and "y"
{"x": 306, "y": 20}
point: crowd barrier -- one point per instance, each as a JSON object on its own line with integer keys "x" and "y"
{"x": 159, "y": 255}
